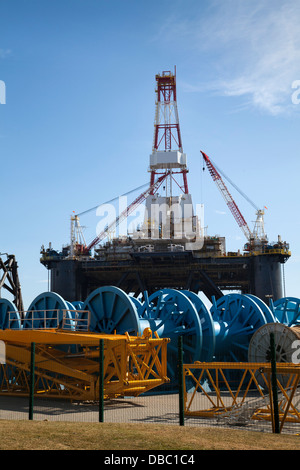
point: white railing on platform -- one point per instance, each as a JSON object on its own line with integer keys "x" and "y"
{"x": 64, "y": 319}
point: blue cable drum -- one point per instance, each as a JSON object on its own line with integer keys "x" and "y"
{"x": 77, "y": 305}
{"x": 9, "y": 315}
{"x": 9, "y": 319}
{"x": 287, "y": 311}
{"x": 111, "y": 310}
{"x": 46, "y": 311}
{"x": 171, "y": 314}
{"x": 207, "y": 326}
{"x": 236, "y": 318}
{"x": 75, "y": 308}
{"x": 270, "y": 318}
{"x": 137, "y": 302}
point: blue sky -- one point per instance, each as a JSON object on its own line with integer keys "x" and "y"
{"x": 77, "y": 126}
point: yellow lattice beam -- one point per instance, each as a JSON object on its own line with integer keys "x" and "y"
{"x": 249, "y": 395}
{"x": 67, "y": 364}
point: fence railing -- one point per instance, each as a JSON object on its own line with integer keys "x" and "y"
{"x": 236, "y": 393}
{"x": 65, "y": 319}
{"x": 118, "y": 366}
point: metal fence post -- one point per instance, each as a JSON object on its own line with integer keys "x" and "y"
{"x": 31, "y": 391}
{"x": 274, "y": 385}
{"x": 180, "y": 381}
{"x": 101, "y": 381}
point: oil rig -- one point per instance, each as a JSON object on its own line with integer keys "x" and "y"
{"x": 170, "y": 248}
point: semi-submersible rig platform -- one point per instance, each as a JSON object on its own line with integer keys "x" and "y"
{"x": 170, "y": 248}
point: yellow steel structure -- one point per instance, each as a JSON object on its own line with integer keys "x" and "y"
{"x": 249, "y": 398}
{"x": 67, "y": 363}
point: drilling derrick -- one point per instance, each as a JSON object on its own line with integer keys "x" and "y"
{"x": 168, "y": 216}
{"x": 167, "y": 149}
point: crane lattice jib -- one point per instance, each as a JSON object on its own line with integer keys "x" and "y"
{"x": 152, "y": 189}
{"x": 227, "y": 196}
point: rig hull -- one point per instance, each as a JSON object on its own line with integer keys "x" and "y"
{"x": 138, "y": 271}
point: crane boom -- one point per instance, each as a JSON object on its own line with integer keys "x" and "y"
{"x": 154, "y": 187}
{"x": 227, "y": 196}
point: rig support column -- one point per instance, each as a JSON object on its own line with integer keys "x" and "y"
{"x": 267, "y": 278}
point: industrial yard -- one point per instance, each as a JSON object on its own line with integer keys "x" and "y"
{"x": 160, "y": 316}
{"x": 117, "y": 322}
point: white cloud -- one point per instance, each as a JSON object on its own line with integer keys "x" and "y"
{"x": 269, "y": 56}
{"x": 251, "y": 48}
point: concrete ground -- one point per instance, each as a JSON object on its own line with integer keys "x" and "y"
{"x": 154, "y": 408}
{"x": 163, "y": 409}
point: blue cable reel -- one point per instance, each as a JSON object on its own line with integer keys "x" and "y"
{"x": 9, "y": 315}
{"x": 75, "y": 313}
{"x": 207, "y": 327}
{"x": 287, "y": 311}
{"x": 270, "y": 318}
{"x": 236, "y": 318}
{"x": 9, "y": 319}
{"x": 76, "y": 305}
{"x": 46, "y": 311}
{"x": 171, "y": 314}
{"x": 137, "y": 302}
{"x": 111, "y": 310}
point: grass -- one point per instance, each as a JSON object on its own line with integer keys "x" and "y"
{"x": 49, "y": 435}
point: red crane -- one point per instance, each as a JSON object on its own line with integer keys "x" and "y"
{"x": 151, "y": 190}
{"x": 227, "y": 196}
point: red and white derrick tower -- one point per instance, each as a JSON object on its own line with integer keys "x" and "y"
{"x": 169, "y": 215}
{"x": 167, "y": 151}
